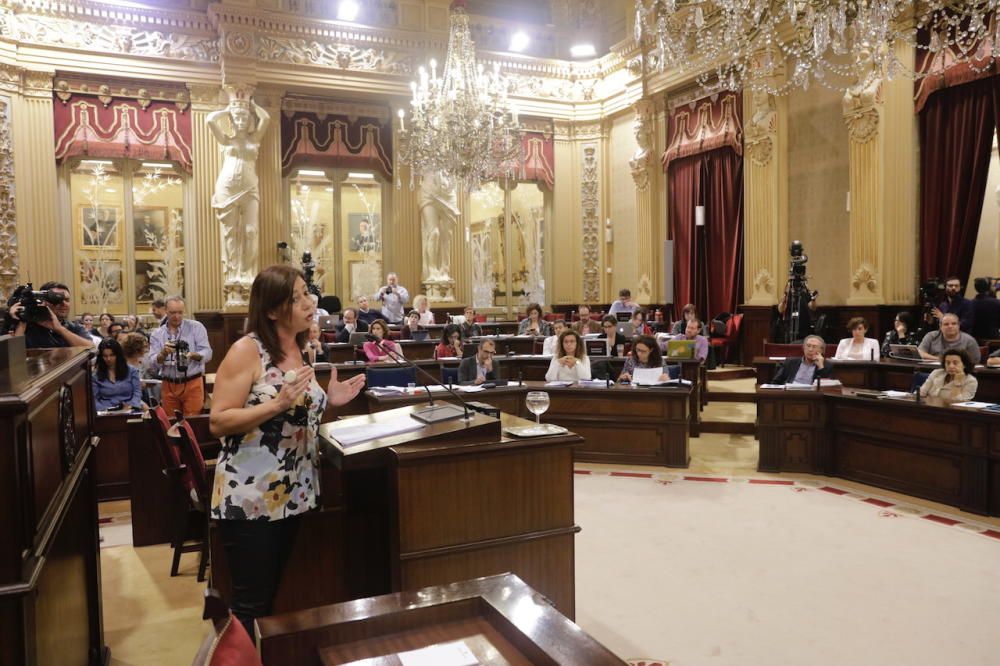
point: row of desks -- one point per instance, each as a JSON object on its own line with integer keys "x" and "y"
{"x": 927, "y": 448}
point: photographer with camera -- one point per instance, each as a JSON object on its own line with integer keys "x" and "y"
{"x": 956, "y": 304}
{"x": 797, "y": 303}
{"x": 42, "y": 317}
{"x": 394, "y": 297}
{"x": 178, "y": 352}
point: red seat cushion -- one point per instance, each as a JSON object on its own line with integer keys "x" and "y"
{"x": 231, "y": 647}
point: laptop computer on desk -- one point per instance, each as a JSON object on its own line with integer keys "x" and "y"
{"x": 623, "y": 316}
{"x": 626, "y": 330}
{"x": 328, "y": 322}
{"x": 597, "y": 347}
{"x": 681, "y": 349}
{"x": 904, "y": 353}
{"x": 420, "y": 336}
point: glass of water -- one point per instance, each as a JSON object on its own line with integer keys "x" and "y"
{"x": 537, "y": 403}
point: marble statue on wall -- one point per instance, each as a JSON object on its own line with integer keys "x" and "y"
{"x": 639, "y": 164}
{"x": 235, "y": 200}
{"x": 439, "y": 215}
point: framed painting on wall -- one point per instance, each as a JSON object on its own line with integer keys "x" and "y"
{"x": 101, "y": 282}
{"x": 149, "y": 225}
{"x": 364, "y": 232}
{"x": 366, "y": 278}
{"x": 99, "y": 227}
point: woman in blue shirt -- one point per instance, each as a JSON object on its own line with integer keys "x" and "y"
{"x": 115, "y": 381}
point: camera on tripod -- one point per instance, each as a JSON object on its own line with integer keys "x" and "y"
{"x": 931, "y": 293}
{"x": 33, "y": 303}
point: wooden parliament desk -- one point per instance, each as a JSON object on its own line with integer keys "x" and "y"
{"x": 886, "y": 375}
{"x": 926, "y": 449}
{"x": 500, "y": 619}
{"x": 621, "y": 424}
{"x": 50, "y": 572}
{"x": 449, "y": 502}
{"x": 424, "y": 350}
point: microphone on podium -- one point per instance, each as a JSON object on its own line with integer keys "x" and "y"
{"x": 431, "y": 413}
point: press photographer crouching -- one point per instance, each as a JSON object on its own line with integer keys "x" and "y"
{"x": 178, "y": 352}
{"x": 42, "y": 317}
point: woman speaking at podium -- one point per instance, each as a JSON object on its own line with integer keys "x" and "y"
{"x": 266, "y": 409}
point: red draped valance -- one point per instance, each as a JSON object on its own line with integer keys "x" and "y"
{"x": 704, "y": 125}
{"x": 946, "y": 69}
{"x": 84, "y": 126}
{"x": 538, "y": 158}
{"x": 335, "y": 141}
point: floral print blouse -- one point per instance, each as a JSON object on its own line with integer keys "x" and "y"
{"x": 272, "y": 471}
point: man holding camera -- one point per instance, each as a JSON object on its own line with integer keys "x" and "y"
{"x": 47, "y": 329}
{"x": 394, "y": 298}
{"x": 178, "y": 352}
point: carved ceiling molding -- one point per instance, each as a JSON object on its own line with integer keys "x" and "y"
{"x": 329, "y": 107}
{"x": 589, "y": 130}
{"x": 294, "y": 51}
{"x": 36, "y": 84}
{"x": 107, "y": 89}
{"x": 104, "y": 13}
{"x": 204, "y": 97}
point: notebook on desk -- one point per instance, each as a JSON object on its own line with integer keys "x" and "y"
{"x": 680, "y": 348}
{"x": 904, "y": 353}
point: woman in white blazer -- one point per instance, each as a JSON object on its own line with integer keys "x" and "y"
{"x": 858, "y": 347}
{"x": 570, "y": 362}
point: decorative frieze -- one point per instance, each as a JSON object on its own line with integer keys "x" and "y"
{"x": 590, "y": 206}
{"x": 562, "y": 90}
{"x": 642, "y": 127}
{"x": 8, "y": 219}
{"x": 295, "y": 51}
{"x": 861, "y": 109}
{"x": 758, "y": 134}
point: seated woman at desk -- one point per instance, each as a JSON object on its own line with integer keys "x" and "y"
{"x": 533, "y": 324}
{"x": 857, "y": 347}
{"x": 687, "y": 314}
{"x": 953, "y": 382}
{"x": 645, "y": 354}
{"x": 314, "y": 350}
{"x": 422, "y": 307}
{"x": 904, "y": 332}
{"x": 616, "y": 341}
{"x": 450, "y": 344}
{"x": 549, "y": 346}
{"x": 376, "y": 350}
{"x": 639, "y": 325}
{"x": 570, "y": 362}
{"x": 115, "y": 383}
{"x": 412, "y": 323}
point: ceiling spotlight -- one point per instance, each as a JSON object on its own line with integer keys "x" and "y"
{"x": 583, "y": 51}
{"x": 519, "y": 41}
{"x": 347, "y": 10}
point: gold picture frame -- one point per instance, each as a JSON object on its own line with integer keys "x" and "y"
{"x": 149, "y": 225}
{"x": 100, "y": 228}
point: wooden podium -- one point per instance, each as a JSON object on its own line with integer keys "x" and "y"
{"x": 498, "y": 618}
{"x": 448, "y": 502}
{"x": 50, "y": 572}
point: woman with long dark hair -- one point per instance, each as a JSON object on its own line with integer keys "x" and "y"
{"x": 116, "y": 384}
{"x": 266, "y": 408}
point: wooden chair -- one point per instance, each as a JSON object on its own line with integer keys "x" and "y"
{"x": 729, "y": 340}
{"x": 228, "y": 644}
{"x": 194, "y": 460}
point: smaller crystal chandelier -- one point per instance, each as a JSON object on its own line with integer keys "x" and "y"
{"x": 461, "y": 123}
{"x": 733, "y": 44}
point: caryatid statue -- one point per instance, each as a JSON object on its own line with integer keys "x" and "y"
{"x": 236, "y": 201}
{"x": 438, "y": 215}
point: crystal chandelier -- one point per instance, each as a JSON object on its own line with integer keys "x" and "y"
{"x": 461, "y": 123}
{"x": 781, "y": 45}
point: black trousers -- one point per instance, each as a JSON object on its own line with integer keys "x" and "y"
{"x": 257, "y": 551}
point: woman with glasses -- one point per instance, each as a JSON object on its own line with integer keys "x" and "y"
{"x": 645, "y": 354}
{"x": 450, "y": 344}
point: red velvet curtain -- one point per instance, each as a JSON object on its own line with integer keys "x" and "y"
{"x": 957, "y": 125}
{"x": 708, "y": 261}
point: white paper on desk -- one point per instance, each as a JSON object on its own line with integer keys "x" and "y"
{"x": 800, "y": 387}
{"x": 365, "y": 432}
{"x": 433, "y": 388}
{"x": 973, "y": 404}
{"x": 829, "y": 382}
{"x": 558, "y": 383}
{"x": 471, "y": 388}
{"x": 780, "y": 387}
{"x": 445, "y": 654}
{"x": 448, "y": 358}
{"x": 647, "y": 376}
{"x": 775, "y": 358}
{"x": 594, "y": 383}
{"x": 897, "y": 394}
{"x": 386, "y": 390}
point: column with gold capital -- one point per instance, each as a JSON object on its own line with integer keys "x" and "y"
{"x": 401, "y": 238}
{"x": 765, "y": 192}
{"x": 646, "y": 199}
{"x": 204, "y": 274}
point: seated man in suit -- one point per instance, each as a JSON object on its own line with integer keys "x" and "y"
{"x": 805, "y": 369}
{"x": 482, "y": 367}
{"x": 351, "y": 324}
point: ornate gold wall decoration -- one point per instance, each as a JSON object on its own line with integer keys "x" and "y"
{"x": 8, "y": 221}
{"x": 763, "y": 283}
{"x": 865, "y": 277}
{"x": 643, "y": 130}
{"x": 590, "y": 208}
{"x": 860, "y": 106}
{"x": 339, "y": 55}
{"x": 758, "y": 133}
{"x": 524, "y": 85}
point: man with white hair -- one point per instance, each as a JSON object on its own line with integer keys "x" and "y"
{"x": 394, "y": 298}
{"x": 178, "y": 352}
{"x": 320, "y": 312}
{"x": 806, "y": 368}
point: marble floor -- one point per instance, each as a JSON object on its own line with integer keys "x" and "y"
{"x": 151, "y": 618}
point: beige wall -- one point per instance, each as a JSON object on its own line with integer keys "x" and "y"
{"x": 986, "y": 262}
{"x": 818, "y": 181}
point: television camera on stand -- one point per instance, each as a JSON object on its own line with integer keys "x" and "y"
{"x": 798, "y": 301}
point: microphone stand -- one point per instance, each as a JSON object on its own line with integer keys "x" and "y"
{"x": 432, "y": 413}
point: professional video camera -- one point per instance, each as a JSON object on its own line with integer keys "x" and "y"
{"x": 798, "y": 294}
{"x": 308, "y": 269}
{"x": 931, "y": 293}
{"x": 33, "y": 303}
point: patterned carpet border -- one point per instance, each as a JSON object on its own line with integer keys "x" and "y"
{"x": 888, "y": 508}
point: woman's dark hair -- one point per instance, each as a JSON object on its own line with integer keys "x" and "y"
{"x": 609, "y": 319}
{"x": 536, "y": 307}
{"x": 966, "y": 361}
{"x": 907, "y": 320}
{"x": 108, "y": 315}
{"x": 271, "y": 294}
{"x": 655, "y": 357}
{"x": 641, "y": 311}
{"x": 121, "y": 365}
{"x": 412, "y": 313}
{"x": 689, "y": 308}
{"x": 383, "y": 324}
{"x": 447, "y": 332}
{"x": 580, "y": 351}
{"x": 860, "y": 321}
